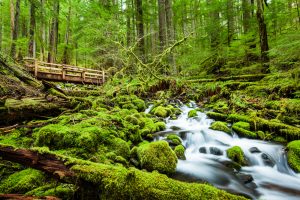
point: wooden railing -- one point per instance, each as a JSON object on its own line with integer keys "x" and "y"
{"x": 64, "y": 73}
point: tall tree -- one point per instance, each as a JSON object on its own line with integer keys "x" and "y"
{"x": 170, "y": 31}
{"x": 214, "y": 23}
{"x": 53, "y": 35}
{"x": 162, "y": 23}
{"x": 230, "y": 21}
{"x": 263, "y": 35}
{"x": 1, "y": 26}
{"x": 246, "y": 15}
{"x": 31, "y": 45}
{"x": 15, "y": 28}
{"x": 140, "y": 27}
{"x": 66, "y": 55}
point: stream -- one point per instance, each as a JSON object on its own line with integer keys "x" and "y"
{"x": 267, "y": 175}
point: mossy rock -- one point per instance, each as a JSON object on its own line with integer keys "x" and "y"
{"x": 61, "y": 190}
{"x": 161, "y": 111}
{"x": 179, "y": 151}
{"x": 22, "y": 181}
{"x": 192, "y": 113}
{"x": 293, "y": 155}
{"x": 217, "y": 116}
{"x": 243, "y": 132}
{"x": 220, "y": 126}
{"x": 157, "y": 156}
{"x": 244, "y": 125}
{"x": 236, "y": 154}
{"x": 173, "y": 139}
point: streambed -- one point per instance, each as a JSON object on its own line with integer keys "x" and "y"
{"x": 267, "y": 175}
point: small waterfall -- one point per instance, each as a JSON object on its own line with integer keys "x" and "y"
{"x": 267, "y": 175}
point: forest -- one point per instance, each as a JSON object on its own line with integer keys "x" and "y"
{"x": 150, "y": 99}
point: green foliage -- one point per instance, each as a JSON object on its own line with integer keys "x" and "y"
{"x": 217, "y": 116}
{"x": 220, "y": 126}
{"x": 243, "y": 132}
{"x": 157, "y": 156}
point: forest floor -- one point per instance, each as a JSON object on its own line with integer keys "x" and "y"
{"x": 100, "y": 138}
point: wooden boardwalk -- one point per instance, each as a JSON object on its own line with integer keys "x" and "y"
{"x": 64, "y": 73}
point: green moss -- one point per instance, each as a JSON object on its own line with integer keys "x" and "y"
{"x": 161, "y": 111}
{"x": 217, "y": 116}
{"x": 236, "y": 154}
{"x": 244, "y": 125}
{"x": 175, "y": 139}
{"x": 279, "y": 139}
{"x": 243, "y": 132}
{"x": 220, "y": 126}
{"x": 23, "y": 181}
{"x": 192, "y": 113}
{"x": 179, "y": 151}
{"x": 293, "y": 155}
{"x": 157, "y": 156}
{"x": 63, "y": 191}
{"x": 237, "y": 118}
{"x": 122, "y": 183}
{"x": 160, "y": 126}
{"x": 119, "y": 147}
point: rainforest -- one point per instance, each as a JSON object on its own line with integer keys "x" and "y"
{"x": 149, "y": 99}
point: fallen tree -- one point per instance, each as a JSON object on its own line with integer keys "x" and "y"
{"x": 101, "y": 181}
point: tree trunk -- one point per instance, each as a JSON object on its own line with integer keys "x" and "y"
{"x": 170, "y": 32}
{"x": 31, "y": 45}
{"x": 298, "y": 11}
{"x": 246, "y": 15}
{"x": 1, "y": 28}
{"x": 53, "y": 35}
{"x": 230, "y": 21}
{"x": 42, "y": 36}
{"x": 15, "y": 29}
{"x": 66, "y": 56}
{"x": 162, "y": 24}
{"x": 214, "y": 24}
{"x": 264, "y": 46}
{"x": 140, "y": 28}
{"x": 128, "y": 22}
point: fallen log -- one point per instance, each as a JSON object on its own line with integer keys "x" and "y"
{"x": 24, "y": 197}
{"x": 101, "y": 181}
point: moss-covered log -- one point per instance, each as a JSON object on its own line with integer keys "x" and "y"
{"x": 25, "y": 197}
{"x": 112, "y": 182}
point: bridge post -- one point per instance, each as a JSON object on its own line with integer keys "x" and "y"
{"x": 35, "y": 68}
{"x": 83, "y": 75}
{"x": 103, "y": 76}
{"x": 63, "y": 74}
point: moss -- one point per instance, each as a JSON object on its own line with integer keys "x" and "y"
{"x": 179, "y": 151}
{"x": 220, "y": 126}
{"x": 119, "y": 147}
{"x": 236, "y": 154}
{"x": 243, "y": 132}
{"x": 160, "y": 126}
{"x": 23, "y": 181}
{"x": 237, "y": 118}
{"x": 121, "y": 183}
{"x": 244, "y": 125}
{"x": 192, "y": 113}
{"x": 157, "y": 156}
{"x": 161, "y": 111}
{"x": 174, "y": 139}
{"x": 293, "y": 155}
{"x": 63, "y": 191}
{"x": 217, "y": 116}
{"x": 279, "y": 139}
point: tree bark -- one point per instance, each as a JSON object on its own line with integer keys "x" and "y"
{"x": 264, "y": 46}
{"x": 1, "y": 27}
{"x": 246, "y": 15}
{"x": 162, "y": 24}
{"x": 140, "y": 28}
{"x": 15, "y": 29}
{"x": 53, "y": 35}
{"x": 214, "y": 24}
{"x": 170, "y": 32}
{"x": 230, "y": 21}
{"x": 31, "y": 45}
{"x": 66, "y": 56}
{"x": 128, "y": 22}
{"x": 43, "y": 38}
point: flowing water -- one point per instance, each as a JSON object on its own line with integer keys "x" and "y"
{"x": 267, "y": 175}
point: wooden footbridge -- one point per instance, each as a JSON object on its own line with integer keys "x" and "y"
{"x": 64, "y": 73}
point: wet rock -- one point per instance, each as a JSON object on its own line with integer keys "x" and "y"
{"x": 175, "y": 128}
{"x": 202, "y": 150}
{"x": 183, "y": 134}
{"x": 254, "y": 150}
{"x": 245, "y": 178}
{"x": 268, "y": 160}
{"x": 215, "y": 151}
{"x": 230, "y": 164}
